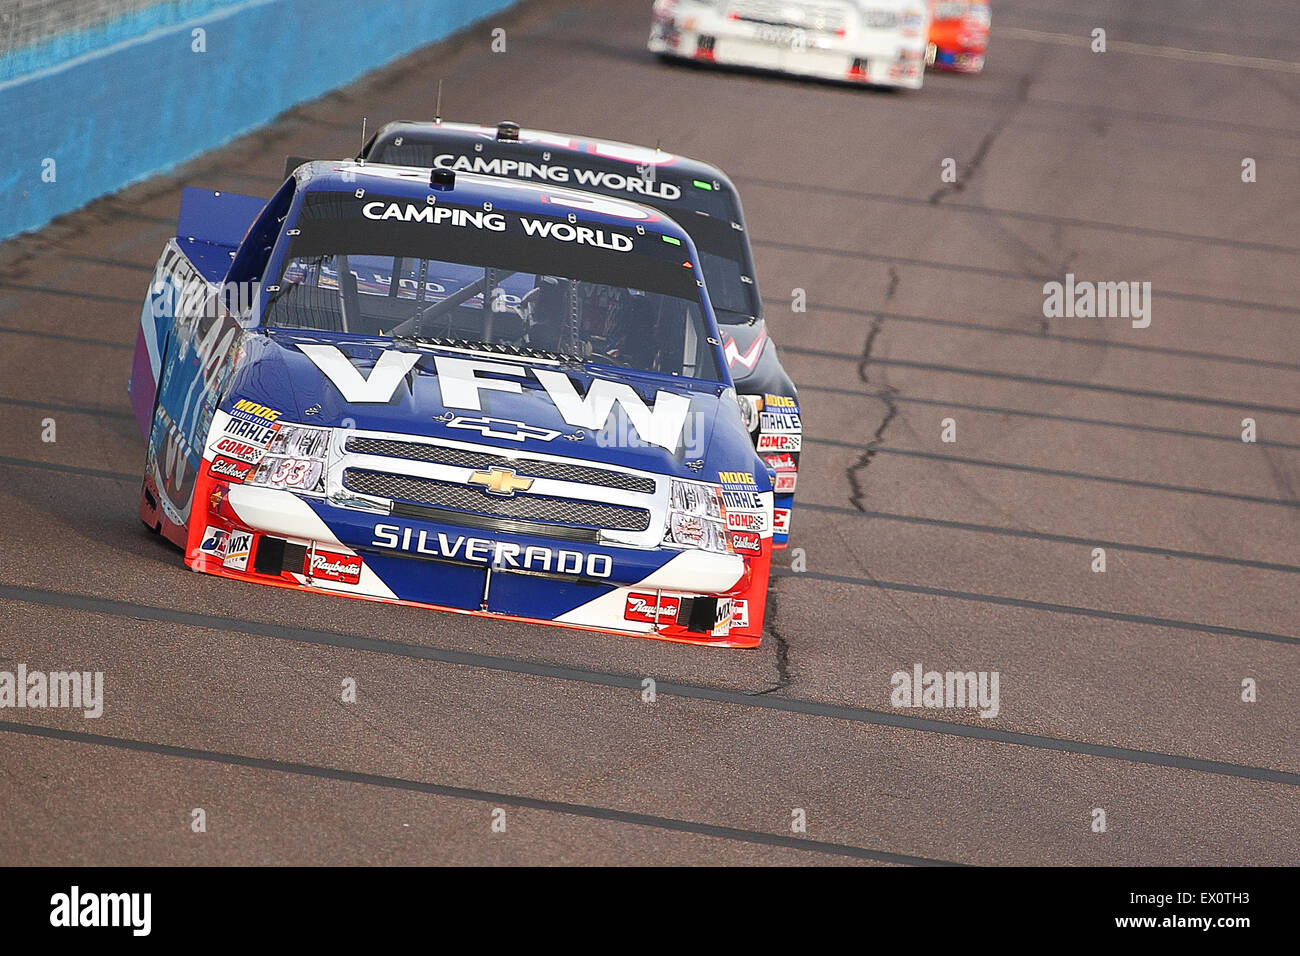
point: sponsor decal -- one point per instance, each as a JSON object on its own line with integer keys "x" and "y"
{"x": 722, "y": 621}
{"x": 175, "y": 466}
{"x": 238, "y": 549}
{"x": 781, "y": 520}
{"x": 498, "y": 222}
{"x": 739, "y": 479}
{"x": 332, "y": 566}
{"x": 581, "y": 235}
{"x": 195, "y": 370}
{"x": 639, "y": 185}
{"x": 740, "y": 613}
{"x": 509, "y": 168}
{"x": 377, "y": 388}
{"x": 641, "y": 607}
{"x": 461, "y": 386}
{"x": 780, "y": 423}
{"x": 741, "y": 500}
{"x": 254, "y": 433}
{"x": 747, "y": 542}
{"x": 239, "y": 450}
{"x": 596, "y": 179}
{"x": 768, "y": 442}
{"x": 781, "y": 401}
{"x": 748, "y": 358}
{"x": 746, "y": 521}
{"x": 787, "y": 473}
{"x": 253, "y": 412}
{"x": 215, "y": 541}
{"x": 435, "y": 215}
{"x": 305, "y": 473}
{"x": 500, "y": 555}
{"x": 230, "y": 469}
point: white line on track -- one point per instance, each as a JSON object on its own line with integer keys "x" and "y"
{"x": 1147, "y": 49}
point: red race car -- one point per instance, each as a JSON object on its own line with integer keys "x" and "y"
{"x": 959, "y": 35}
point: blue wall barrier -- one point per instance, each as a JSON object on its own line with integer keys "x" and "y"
{"x": 145, "y": 103}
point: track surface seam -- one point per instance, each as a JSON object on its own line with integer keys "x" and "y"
{"x": 303, "y": 635}
{"x": 479, "y": 796}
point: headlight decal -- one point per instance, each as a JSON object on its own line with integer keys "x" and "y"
{"x": 696, "y": 517}
{"x": 295, "y": 460}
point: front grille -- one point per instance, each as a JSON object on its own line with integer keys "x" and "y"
{"x": 449, "y": 496}
{"x": 529, "y": 467}
{"x": 823, "y": 18}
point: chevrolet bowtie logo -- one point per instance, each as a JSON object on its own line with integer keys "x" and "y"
{"x": 500, "y": 481}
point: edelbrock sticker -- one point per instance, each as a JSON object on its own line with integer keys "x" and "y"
{"x": 231, "y": 469}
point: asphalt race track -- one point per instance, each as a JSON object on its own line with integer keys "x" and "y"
{"x": 1119, "y": 691}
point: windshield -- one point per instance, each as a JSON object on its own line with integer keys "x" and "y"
{"x": 723, "y": 252}
{"x": 705, "y": 209}
{"x": 516, "y": 282}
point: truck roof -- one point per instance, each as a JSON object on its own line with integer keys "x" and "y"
{"x": 470, "y": 189}
{"x": 698, "y": 195}
{"x": 650, "y": 175}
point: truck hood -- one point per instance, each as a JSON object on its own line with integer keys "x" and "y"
{"x": 639, "y": 420}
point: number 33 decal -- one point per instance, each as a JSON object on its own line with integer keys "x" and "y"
{"x": 291, "y": 471}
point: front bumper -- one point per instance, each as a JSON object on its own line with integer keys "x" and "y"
{"x": 956, "y": 60}
{"x": 277, "y": 537}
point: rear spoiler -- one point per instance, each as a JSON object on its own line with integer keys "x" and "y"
{"x": 216, "y": 216}
{"x": 211, "y": 226}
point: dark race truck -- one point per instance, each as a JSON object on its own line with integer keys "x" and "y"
{"x": 698, "y": 196}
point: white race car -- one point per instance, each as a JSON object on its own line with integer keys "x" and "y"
{"x": 878, "y": 42}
